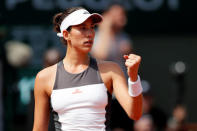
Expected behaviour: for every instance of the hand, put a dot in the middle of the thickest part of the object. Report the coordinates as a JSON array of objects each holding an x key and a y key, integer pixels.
[
  {"x": 107, "y": 22},
  {"x": 132, "y": 62}
]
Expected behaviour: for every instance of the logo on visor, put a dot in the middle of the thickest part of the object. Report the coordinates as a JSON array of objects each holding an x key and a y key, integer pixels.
[{"x": 86, "y": 12}]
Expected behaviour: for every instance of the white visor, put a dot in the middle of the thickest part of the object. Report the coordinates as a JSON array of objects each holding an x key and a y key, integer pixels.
[{"x": 78, "y": 17}]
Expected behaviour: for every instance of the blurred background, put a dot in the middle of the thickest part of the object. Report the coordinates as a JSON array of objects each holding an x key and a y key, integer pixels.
[{"x": 162, "y": 32}]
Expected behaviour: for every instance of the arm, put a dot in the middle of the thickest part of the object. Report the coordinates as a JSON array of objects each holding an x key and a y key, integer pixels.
[
  {"x": 132, "y": 105},
  {"x": 41, "y": 111},
  {"x": 103, "y": 38}
]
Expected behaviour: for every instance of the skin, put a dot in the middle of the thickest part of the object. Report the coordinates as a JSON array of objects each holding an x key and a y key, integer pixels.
[
  {"x": 114, "y": 20},
  {"x": 79, "y": 44}
]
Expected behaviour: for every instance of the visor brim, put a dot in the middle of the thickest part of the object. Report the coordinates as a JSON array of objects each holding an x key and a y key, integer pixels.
[{"x": 96, "y": 18}]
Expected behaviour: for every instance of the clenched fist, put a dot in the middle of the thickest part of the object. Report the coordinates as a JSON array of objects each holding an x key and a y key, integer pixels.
[{"x": 132, "y": 62}]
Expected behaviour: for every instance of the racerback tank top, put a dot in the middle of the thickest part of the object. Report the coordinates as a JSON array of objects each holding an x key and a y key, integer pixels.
[{"x": 80, "y": 102}]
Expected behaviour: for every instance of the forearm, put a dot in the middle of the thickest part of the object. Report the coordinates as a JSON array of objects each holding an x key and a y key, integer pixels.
[
  {"x": 40, "y": 125},
  {"x": 135, "y": 111},
  {"x": 131, "y": 105},
  {"x": 130, "y": 100},
  {"x": 41, "y": 120},
  {"x": 128, "y": 95}
]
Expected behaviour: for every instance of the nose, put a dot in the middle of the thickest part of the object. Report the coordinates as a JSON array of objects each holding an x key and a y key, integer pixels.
[{"x": 90, "y": 33}]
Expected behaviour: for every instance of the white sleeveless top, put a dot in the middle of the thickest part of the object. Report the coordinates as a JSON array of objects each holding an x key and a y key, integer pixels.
[{"x": 80, "y": 102}]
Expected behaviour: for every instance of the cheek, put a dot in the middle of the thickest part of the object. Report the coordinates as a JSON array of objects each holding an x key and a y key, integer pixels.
[
  {"x": 93, "y": 33},
  {"x": 76, "y": 36}
]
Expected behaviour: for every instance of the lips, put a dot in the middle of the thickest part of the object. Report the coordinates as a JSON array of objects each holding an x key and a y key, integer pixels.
[{"x": 89, "y": 42}]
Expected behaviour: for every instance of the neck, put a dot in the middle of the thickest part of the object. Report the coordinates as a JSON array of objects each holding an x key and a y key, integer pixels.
[{"x": 76, "y": 58}]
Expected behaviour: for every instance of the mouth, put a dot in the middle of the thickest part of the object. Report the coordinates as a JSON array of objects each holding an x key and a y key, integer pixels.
[{"x": 89, "y": 42}]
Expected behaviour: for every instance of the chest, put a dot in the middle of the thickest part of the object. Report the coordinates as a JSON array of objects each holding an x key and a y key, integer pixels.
[{"x": 79, "y": 98}]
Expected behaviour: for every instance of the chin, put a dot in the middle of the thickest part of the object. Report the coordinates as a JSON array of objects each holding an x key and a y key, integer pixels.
[{"x": 86, "y": 49}]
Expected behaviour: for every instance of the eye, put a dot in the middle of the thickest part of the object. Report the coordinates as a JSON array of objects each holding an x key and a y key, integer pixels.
[
  {"x": 83, "y": 28},
  {"x": 92, "y": 27}
]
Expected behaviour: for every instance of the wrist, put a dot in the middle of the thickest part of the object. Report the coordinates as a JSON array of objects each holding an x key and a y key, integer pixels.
[
  {"x": 134, "y": 87},
  {"x": 133, "y": 78}
]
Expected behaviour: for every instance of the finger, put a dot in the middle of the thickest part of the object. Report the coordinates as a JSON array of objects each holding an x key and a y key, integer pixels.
[
  {"x": 131, "y": 60},
  {"x": 137, "y": 58},
  {"x": 126, "y": 57},
  {"x": 132, "y": 56},
  {"x": 129, "y": 64}
]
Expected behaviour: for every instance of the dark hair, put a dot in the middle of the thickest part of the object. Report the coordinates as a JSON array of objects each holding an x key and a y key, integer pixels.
[{"x": 59, "y": 17}]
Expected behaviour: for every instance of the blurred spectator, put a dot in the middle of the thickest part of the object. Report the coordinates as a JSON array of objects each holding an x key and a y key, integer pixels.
[
  {"x": 15, "y": 55},
  {"x": 51, "y": 57},
  {"x": 145, "y": 123},
  {"x": 177, "y": 121},
  {"x": 18, "y": 54},
  {"x": 158, "y": 116},
  {"x": 111, "y": 42},
  {"x": 26, "y": 83}
]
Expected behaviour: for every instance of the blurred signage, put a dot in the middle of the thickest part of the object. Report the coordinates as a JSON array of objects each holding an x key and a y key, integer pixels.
[
  {"x": 47, "y": 5},
  {"x": 144, "y": 16}
]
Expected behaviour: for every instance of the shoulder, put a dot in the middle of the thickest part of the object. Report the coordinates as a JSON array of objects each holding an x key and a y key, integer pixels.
[
  {"x": 46, "y": 73},
  {"x": 45, "y": 79},
  {"x": 109, "y": 71}
]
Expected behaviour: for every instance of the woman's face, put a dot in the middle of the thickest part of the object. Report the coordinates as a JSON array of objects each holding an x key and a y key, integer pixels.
[{"x": 81, "y": 36}]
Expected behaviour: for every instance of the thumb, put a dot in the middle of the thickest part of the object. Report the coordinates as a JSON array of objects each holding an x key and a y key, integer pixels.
[{"x": 126, "y": 57}]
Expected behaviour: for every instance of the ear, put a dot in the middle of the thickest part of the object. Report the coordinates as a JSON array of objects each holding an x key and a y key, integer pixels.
[{"x": 66, "y": 35}]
